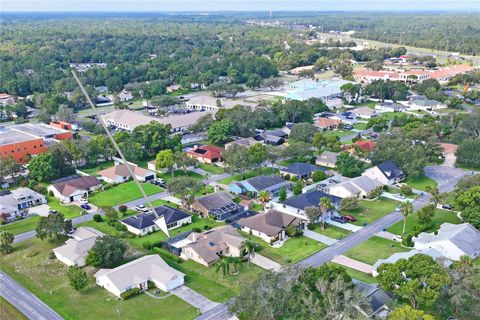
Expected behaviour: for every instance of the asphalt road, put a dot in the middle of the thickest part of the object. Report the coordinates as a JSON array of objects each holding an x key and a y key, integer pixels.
[{"x": 24, "y": 300}]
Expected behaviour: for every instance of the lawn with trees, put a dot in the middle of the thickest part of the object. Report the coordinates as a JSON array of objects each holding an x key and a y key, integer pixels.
[{"x": 122, "y": 193}]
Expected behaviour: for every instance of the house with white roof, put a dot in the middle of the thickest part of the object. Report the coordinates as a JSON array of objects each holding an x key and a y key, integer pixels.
[
  {"x": 387, "y": 173},
  {"x": 14, "y": 203},
  {"x": 137, "y": 274},
  {"x": 75, "y": 249},
  {"x": 119, "y": 173},
  {"x": 359, "y": 187},
  {"x": 452, "y": 240}
]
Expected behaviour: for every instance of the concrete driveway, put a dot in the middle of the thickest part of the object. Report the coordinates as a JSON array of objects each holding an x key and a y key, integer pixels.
[
  {"x": 41, "y": 210},
  {"x": 319, "y": 237},
  {"x": 265, "y": 263},
  {"x": 446, "y": 177},
  {"x": 354, "y": 264},
  {"x": 194, "y": 298}
]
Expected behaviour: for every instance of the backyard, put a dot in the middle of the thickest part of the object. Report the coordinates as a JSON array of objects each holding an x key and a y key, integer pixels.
[
  {"x": 371, "y": 210},
  {"x": 373, "y": 249},
  {"x": 421, "y": 183},
  {"x": 441, "y": 216},
  {"x": 92, "y": 170},
  {"x": 122, "y": 193},
  {"x": 30, "y": 266}
]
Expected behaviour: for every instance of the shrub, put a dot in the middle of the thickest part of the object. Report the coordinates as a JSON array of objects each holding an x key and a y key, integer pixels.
[
  {"x": 405, "y": 189},
  {"x": 147, "y": 245},
  {"x": 31, "y": 253},
  {"x": 196, "y": 229},
  {"x": 158, "y": 244},
  {"x": 207, "y": 227},
  {"x": 51, "y": 255},
  {"x": 122, "y": 208},
  {"x": 310, "y": 226},
  {"x": 32, "y": 183},
  {"x": 318, "y": 176},
  {"x": 50, "y": 193},
  {"x": 407, "y": 241},
  {"x": 120, "y": 227},
  {"x": 97, "y": 218},
  {"x": 129, "y": 293}
]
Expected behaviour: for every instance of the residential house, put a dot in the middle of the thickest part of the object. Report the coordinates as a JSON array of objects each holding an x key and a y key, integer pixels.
[
  {"x": 207, "y": 247},
  {"x": 365, "y": 113},
  {"x": 390, "y": 107},
  {"x": 152, "y": 165},
  {"x": 75, "y": 249},
  {"x": 219, "y": 205},
  {"x": 272, "y": 184},
  {"x": 270, "y": 226},
  {"x": 137, "y": 274},
  {"x": 6, "y": 99},
  {"x": 206, "y": 154},
  {"x": 144, "y": 223},
  {"x": 296, "y": 205},
  {"x": 298, "y": 70},
  {"x": 272, "y": 137},
  {"x": 387, "y": 173},
  {"x": 173, "y": 87},
  {"x": 327, "y": 159},
  {"x": 327, "y": 123},
  {"x": 452, "y": 240},
  {"x": 358, "y": 187},
  {"x": 300, "y": 170},
  {"x": 426, "y": 105},
  {"x": 73, "y": 188},
  {"x": 101, "y": 89},
  {"x": 365, "y": 146},
  {"x": 377, "y": 298},
  {"x": 244, "y": 142},
  {"x": 119, "y": 173},
  {"x": 15, "y": 203}
]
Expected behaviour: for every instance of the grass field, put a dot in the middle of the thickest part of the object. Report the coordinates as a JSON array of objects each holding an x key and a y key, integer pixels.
[
  {"x": 46, "y": 279},
  {"x": 338, "y": 133},
  {"x": 331, "y": 231},
  {"x": 441, "y": 216},
  {"x": 373, "y": 249},
  {"x": 248, "y": 175},
  {"x": 9, "y": 312},
  {"x": 122, "y": 193},
  {"x": 21, "y": 226},
  {"x": 211, "y": 168},
  {"x": 369, "y": 211},
  {"x": 92, "y": 170},
  {"x": 360, "y": 126},
  {"x": 421, "y": 183}
]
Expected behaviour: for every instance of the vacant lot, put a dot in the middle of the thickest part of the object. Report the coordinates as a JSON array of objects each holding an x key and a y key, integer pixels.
[
  {"x": 373, "y": 249},
  {"x": 122, "y": 193},
  {"x": 30, "y": 266},
  {"x": 369, "y": 211},
  {"x": 21, "y": 226},
  {"x": 358, "y": 275},
  {"x": 441, "y": 216},
  {"x": 178, "y": 173}
]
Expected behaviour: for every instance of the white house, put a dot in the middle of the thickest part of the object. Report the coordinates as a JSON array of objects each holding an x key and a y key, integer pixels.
[
  {"x": 452, "y": 241},
  {"x": 137, "y": 273},
  {"x": 74, "y": 251},
  {"x": 426, "y": 105},
  {"x": 119, "y": 173},
  {"x": 74, "y": 188},
  {"x": 387, "y": 173},
  {"x": 15, "y": 203},
  {"x": 365, "y": 112},
  {"x": 359, "y": 187}
]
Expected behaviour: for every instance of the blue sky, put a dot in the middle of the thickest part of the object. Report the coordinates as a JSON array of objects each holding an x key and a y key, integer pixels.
[{"x": 238, "y": 5}]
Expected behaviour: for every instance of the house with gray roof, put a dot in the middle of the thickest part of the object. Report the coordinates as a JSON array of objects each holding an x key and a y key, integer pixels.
[
  {"x": 387, "y": 173},
  {"x": 426, "y": 105},
  {"x": 272, "y": 184},
  {"x": 452, "y": 240},
  {"x": 270, "y": 226},
  {"x": 244, "y": 142},
  {"x": 75, "y": 249},
  {"x": 74, "y": 187},
  {"x": 390, "y": 107},
  {"x": 327, "y": 159},
  {"x": 15, "y": 203},
  {"x": 219, "y": 205},
  {"x": 358, "y": 187},
  {"x": 377, "y": 298},
  {"x": 300, "y": 170}
]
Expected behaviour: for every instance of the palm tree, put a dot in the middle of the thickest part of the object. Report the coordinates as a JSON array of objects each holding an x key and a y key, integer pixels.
[
  {"x": 249, "y": 247},
  {"x": 223, "y": 264},
  {"x": 324, "y": 205},
  {"x": 236, "y": 263},
  {"x": 406, "y": 209},
  {"x": 436, "y": 195},
  {"x": 464, "y": 264},
  {"x": 264, "y": 196}
]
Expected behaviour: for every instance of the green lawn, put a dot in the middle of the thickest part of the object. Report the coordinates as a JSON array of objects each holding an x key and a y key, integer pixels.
[
  {"x": 331, "y": 231},
  {"x": 421, "y": 183},
  {"x": 92, "y": 170},
  {"x": 29, "y": 265},
  {"x": 211, "y": 168},
  {"x": 360, "y": 126},
  {"x": 338, "y": 133},
  {"x": 355, "y": 274},
  {"x": 69, "y": 211},
  {"x": 178, "y": 173},
  {"x": 122, "y": 193},
  {"x": 369, "y": 211},
  {"x": 265, "y": 171},
  {"x": 9, "y": 312},
  {"x": 390, "y": 115},
  {"x": 373, "y": 249},
  {"x": 21, "y": 226},
  {"x": 441, "y": 216}
]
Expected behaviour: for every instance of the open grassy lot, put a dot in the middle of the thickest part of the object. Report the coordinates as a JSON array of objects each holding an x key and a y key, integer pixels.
[
  {"x": 178, "y": 173},
  {"x": 331, "y": 231},
  {"x": 369, "y": 211},
  {"x": 338, "y": 133},
  {"x": 373, "y": 249},
  {"x": 21, "y": 226},
  {"x": 46, "y": 278},
  {"x": 421, "y": 183},
  {"x": 358, "y": 275},
  {"x": 9, "y": 312},
  {"x": 211, "y": 168},
  {"x": 92, "y": 170},
  {"x": 122, "y": 193},
  {"x": 441, "y": 216},
  {"x": 248, "y": 175}
]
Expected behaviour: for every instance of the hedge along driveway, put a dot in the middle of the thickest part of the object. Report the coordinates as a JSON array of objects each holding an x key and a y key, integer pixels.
[{"x": 122, "y": 193}]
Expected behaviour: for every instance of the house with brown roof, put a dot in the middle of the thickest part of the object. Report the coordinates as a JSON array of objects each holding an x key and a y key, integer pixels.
[
  {"x": 206, "y": 154},
  {"x": 270, "y": 226},
  {"x": 73, "y": 188},
  {"x": 119, "y": 173},
  {"x": 207, "y": 247},
  {"x": 327, "y": 123}
]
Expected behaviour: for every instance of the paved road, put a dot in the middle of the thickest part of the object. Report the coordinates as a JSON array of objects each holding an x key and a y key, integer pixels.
[
  {"x": 358, "y": 237},
  {"x": 446, "y": 177},
  {"x": 24, "y": 300},
  {"x": 220, "y": 312},
  {"x": 353, "y": 135}
]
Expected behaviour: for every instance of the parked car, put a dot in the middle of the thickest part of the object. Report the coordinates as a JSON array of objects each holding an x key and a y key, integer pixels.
[
  {"x": 339, "y": 219},
  {"x": 141, "y": 208},
  {"x": 447, "y": 206},
  {"x": 348, "y": 126},
  {"x": 349, "y": 218},
  {"x": 397, "y": 238},
  {"x": 85, "y": 206},
  {"x": 83, "y": 200}
]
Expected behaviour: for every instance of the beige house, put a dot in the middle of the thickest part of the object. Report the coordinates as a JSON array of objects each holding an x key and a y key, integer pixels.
[
  {"x": 137, "y": 273},
  {"x": 119, "y": 173},
  {"x": 207, "y": 247},
  {"x": 365, "y": 113},
  {"x": 74, "y": 188},
  {"x": 327, "y": 159},
  {"x": 74, "y": 251}
]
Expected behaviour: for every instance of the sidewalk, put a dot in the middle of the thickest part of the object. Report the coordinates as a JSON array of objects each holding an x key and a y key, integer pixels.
[
  {"x": 346, "y": 226},
  {"x": 354, "y": 264},
  {"x": 319, "y": 237}
]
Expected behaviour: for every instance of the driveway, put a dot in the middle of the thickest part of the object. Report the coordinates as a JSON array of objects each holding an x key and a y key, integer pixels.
[
  {"x": 319, "y": 237},
  {"x": 446, "y": 177},
  {"x": 354, "y": 264},
  {"x": 25, "y": 301},
  {"x": 265, "y": 263},
  {"x": 41, "y": 210},
  {"x": 220, "y": 312},
  {"x": 194, "y": 298}
]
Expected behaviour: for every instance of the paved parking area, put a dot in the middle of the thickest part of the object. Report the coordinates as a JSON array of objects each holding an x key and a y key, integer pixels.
[
  {"x": 446, "y": 177},
  {"x": 41, "y": 210}
]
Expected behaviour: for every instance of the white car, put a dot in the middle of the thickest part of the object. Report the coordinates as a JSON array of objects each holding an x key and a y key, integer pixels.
[
  {"x": 397, "y": 238},
  {"x": 141, "y": 208},
  {"x": 83, "y": 201}
]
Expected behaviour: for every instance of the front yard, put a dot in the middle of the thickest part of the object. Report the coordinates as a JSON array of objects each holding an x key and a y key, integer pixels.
[
  {"x": 373, "y": 249},
  {"x": 46, "y": 278},
  {"x": 21, "y": 226},
  {"x": 211, "y": 168},
  {"x": 178, "y": 173},
  {"x": 358, "y": 275},
  {"x": 369, "y": 211},
  {"x": 421, "y": 183},
  {"x": 122, "y": 193},
  {"x": 331, "y": 231},
  {"x": 441, "y": 216}
]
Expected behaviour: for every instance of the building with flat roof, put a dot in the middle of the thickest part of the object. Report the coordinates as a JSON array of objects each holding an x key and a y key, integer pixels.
[
  {"x": 321, "y": 89},
  {"x": 23, "y": 140}
]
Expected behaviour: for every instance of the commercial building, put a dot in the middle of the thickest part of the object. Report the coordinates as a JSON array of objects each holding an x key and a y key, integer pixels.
[{"x": 321, "y": 89}]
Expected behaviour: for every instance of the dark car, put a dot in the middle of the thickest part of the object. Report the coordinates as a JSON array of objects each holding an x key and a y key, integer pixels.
[
  {"x": 447, "y": 206},
  {"x": 339, "y": 219},
  {"x": 85, "y": 207},
  {"x": 349, "y": 218},
  {"x": 348, "y": 126}
]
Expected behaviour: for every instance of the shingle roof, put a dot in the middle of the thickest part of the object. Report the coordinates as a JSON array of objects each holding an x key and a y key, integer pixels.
[
  {"x": 328, "y": 156},
  {"x": 390, "y": 169},
  {"x": 377, "y": 297},
  {"x": 302, "y": 169},
  {"x": 122, "y": 170},
  {"x": 208, "y": 151},
  {"x": 326, "y": 122},
  {"x": 270, "y": 223},
  {"x": 78, "y": 246},
  {"x": 359, "y": 184},
  {"x": 140, "y": 221},
  {"x": 215, "y": 200},
  {"x": 310, "y": 199},
  {"x": 170, "y": 214},
  {"x": 68, "y": 187},
  {"x": 264, "y": 182}
]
